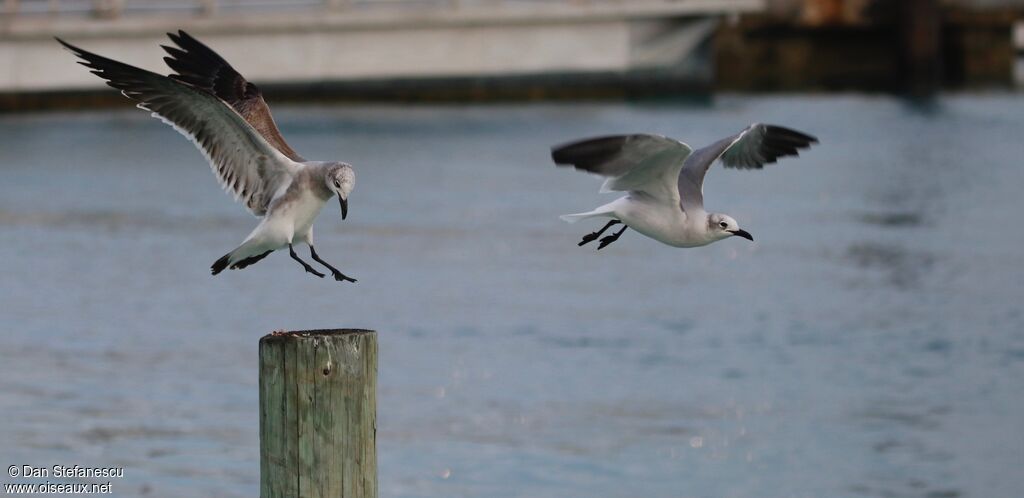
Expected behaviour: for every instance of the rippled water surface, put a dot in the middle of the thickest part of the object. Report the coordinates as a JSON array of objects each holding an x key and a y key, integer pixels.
[{"x": 870, "y": 343}]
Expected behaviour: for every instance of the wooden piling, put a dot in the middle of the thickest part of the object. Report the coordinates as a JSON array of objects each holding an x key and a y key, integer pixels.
[
  {"x": 318, "y": 409},
  {"x": 920, "y": 33}
]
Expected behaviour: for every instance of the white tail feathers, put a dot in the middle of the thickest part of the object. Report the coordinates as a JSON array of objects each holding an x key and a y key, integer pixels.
[
  {"x": 606, "y": 211},
  {"x": 573, "y": 218}
]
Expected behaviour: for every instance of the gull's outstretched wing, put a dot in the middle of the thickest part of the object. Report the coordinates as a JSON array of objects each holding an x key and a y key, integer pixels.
[
  {"x": 638, "y": 163},
  {"x": 752, "y": 148},
  {"x": 246, "y": 165},
  {"x": 201, "y": 67}
]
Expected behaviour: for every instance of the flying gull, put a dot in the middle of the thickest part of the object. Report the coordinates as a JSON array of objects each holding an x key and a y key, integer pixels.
[
  {"x": 226, "y": 117},
  {"x": 664, "y": 181}
]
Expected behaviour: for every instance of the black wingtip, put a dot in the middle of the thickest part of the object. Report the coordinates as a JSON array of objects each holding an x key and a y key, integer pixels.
[
  {"x": 798, "y": 138},
  {"x": 89, "y": 58},
  {"x": 559, "y": 155},
  {"x": 72, "y": 48},
  {"x": 189, "y": 42},
  {"x": 172, "y": 51},
  {"x": 176, "y": 37},
  {"x": 588, "y": 154},
  {"x": 220, "y": 264}
]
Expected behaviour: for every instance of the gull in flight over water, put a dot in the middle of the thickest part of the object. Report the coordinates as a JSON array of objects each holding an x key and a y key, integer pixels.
[
  {"x": 209, "y": 102},
  {"x": 664, "y": 181}
]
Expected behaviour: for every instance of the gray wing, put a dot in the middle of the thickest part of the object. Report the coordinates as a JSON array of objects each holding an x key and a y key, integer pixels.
[
  {"x": 637, "y": 163},
  {"x": 245, "y": 164},
  {"x": 198, "y": 65},
  {"x": 752, "y": 148}
]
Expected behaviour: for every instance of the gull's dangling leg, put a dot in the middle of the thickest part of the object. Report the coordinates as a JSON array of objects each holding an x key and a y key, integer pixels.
[
  {"x": 611, "y": 238},
  {"x": 590, "y": 237},
  {"x": 339, "y": 276},
  {"x": 303, "y": 263}
]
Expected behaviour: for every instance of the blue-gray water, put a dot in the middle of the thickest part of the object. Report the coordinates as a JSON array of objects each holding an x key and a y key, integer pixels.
[{"x": 870, "y": 343}]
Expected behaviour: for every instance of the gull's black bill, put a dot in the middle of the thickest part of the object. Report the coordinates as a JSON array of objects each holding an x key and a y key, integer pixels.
[
  {"x": 743, "y": 233},
  {"x": 344, "y": 206}
]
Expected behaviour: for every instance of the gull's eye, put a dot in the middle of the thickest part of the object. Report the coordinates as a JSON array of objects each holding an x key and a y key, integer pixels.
[
  {"x": 336, "y": 184},
  {"x": 723, "y": 224}
]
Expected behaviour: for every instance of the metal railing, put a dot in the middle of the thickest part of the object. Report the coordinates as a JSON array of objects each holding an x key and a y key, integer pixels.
[{"x": 114, "y": 9}]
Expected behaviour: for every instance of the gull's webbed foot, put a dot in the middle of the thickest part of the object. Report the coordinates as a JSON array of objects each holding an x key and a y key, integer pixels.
[
  {"x": 341, "y": 277},
  {"x": 611, "y": 238},
  {"x": 338, "y": 275},
  {"x": 592, "y": 236}
]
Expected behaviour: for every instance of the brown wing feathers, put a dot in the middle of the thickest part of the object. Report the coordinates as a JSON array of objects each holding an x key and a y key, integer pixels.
[
  {"x": 241, "y": 160},
  {"x": 198, "y": 65}
]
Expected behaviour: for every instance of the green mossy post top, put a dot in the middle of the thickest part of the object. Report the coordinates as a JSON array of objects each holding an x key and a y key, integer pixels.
[{"x": 275, "y": 337}]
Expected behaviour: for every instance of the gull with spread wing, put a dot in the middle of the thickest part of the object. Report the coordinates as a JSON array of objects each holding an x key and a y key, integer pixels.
[
  {"x": 226, "y": 117},
  {"x": 664, "y": 181}
]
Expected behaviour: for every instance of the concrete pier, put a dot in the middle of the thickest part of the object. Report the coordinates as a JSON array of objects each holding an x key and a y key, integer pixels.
[{"x": 330, "y": 44}]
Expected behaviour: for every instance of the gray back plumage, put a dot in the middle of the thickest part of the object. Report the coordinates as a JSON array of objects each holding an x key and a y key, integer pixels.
[{"x": 639, "y": 162}]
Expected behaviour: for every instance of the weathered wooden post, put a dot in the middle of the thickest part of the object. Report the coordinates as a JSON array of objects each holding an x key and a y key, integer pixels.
[
  {"x": 921, "y": 33},
  {"x": 318, "y": 414}
]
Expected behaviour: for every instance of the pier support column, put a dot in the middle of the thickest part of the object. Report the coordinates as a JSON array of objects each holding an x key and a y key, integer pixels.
[
  {"x": 318, "y": 414},
  {"x": 921, "y": 31}
]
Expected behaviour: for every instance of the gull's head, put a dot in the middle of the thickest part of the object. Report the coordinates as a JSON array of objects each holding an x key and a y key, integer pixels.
[
  {"x": 341, "y": 179},
  {"x": 722, "y": 226}
]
